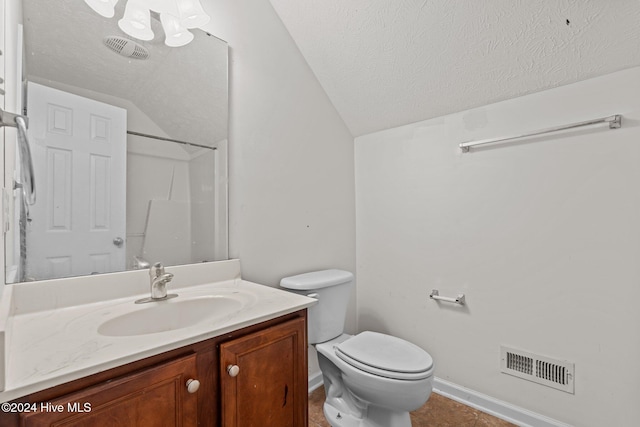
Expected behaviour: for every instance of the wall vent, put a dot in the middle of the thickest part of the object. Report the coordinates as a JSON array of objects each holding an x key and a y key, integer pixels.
[{"x": 558, "y": 374}]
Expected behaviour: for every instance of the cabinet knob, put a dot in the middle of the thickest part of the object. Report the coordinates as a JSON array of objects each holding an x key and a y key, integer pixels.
[
  {"x": 233, "y": 370},
  {"x": 193, "y": 385}
]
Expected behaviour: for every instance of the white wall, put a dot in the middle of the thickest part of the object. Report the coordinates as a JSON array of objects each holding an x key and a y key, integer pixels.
[
  {"x": 541, "y": 235},
  {"x": 202, "y": 179},
  {"x": 157, "y": 170},
  {"x": 291, "y": 162},
  {"x": 291, "y": 167}
]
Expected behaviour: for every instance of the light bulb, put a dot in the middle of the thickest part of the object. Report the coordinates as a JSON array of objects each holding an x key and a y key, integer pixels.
[
  {"x": 176, "y": 34},
  {"x": 191, "y": 13},
  {"x": 105, "y": 8},
  {"x": 136, "y": 21}
]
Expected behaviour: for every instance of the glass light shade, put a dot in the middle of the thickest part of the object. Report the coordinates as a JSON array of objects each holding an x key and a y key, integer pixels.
[
  {"x": 165, "y": 6},
  {"x": 176, "y": 34},
  {"x": 191, "y": 13},
  {"x": 105, "y": 8},
  {"x": 136, "y": 21}
]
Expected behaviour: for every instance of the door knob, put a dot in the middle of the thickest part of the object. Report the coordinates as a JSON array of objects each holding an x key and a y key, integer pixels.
[
  {"x": 193, "y": 385},
  {"x": 118, "y": 241},
  {"x": 233, "y": 370}
]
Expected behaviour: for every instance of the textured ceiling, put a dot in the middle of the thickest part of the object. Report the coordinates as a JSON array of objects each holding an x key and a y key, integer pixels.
[
  {"x": 387, "y": 63},
  {"x": 188, "y": 102}
]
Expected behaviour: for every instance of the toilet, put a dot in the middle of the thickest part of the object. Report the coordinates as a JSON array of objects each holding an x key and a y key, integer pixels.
[{"x": 370, "y": 379}]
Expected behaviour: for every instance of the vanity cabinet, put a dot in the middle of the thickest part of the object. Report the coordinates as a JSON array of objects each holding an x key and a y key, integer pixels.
[
  {"x": 263, "y": 381},
  {"x": 153, "y": 397},
  {"x": 255, "y": 376}
]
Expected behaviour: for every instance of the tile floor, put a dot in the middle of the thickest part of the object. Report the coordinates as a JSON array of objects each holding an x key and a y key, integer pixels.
[{"x": 437, "y": 412}]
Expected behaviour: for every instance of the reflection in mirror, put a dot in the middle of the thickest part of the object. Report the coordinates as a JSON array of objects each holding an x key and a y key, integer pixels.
[{"x": 129, "y": 143}]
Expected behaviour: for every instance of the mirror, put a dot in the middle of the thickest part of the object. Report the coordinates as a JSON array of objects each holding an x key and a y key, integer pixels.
[{"x": 129, "y": 145}]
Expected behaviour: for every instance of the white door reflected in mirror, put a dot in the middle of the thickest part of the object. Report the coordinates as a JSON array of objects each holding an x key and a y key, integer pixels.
[{"x": 79, "y": 151}]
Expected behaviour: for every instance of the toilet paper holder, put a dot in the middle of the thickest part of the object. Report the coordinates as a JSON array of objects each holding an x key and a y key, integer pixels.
[{"x": 459, "y": 299}]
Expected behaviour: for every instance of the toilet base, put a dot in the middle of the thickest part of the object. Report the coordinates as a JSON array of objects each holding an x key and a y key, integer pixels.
[
  {"x": 340, "y": 419},
  {"x": 376, "y": 417}
]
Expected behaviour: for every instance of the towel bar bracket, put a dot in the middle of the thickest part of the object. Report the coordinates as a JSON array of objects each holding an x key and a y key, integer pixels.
[{"x": 9, "y": 119}]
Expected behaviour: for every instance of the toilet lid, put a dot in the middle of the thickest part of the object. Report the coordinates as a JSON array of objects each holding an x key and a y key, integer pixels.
[{"x": 385, "y": 355}]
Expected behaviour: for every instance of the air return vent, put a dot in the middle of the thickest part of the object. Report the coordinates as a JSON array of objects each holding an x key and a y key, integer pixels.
[
  {"x": 539, "y": 369},
  {"x": 126, "y": 47}
]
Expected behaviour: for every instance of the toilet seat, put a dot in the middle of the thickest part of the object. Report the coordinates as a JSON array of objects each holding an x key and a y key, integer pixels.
[{"x": 386, "y": 356}]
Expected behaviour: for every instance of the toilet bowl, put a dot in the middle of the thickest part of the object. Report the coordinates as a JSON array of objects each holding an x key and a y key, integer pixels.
[{"x": 371, "y": 379}]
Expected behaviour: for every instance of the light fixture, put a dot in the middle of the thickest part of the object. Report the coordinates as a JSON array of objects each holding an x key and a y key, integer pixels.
[
  {"x": 191, "y": 13},
  {"x": 176, "y": 34},
  {"x": 137, "y": 20},
  {"x": 105, "y": 8},
  {"x": 176, "y": 16}
]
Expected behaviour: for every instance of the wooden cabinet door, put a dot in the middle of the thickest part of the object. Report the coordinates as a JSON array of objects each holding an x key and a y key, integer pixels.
[
  {"x": 154, "y": 397},
  {"x": 270, "y": 388}
]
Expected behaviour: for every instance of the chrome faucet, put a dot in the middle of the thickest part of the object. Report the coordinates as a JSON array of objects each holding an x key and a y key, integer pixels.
[{"x": 158, "y": 279}]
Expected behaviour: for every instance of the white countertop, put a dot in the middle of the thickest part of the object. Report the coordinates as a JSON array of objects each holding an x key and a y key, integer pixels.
[{"x": 45, "y": 347}]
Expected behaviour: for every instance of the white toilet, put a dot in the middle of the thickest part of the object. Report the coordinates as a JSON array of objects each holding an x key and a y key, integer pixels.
[{"x": 370, "y": 379}]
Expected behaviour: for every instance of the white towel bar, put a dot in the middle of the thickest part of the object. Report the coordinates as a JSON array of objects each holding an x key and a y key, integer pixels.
[
  {"x": 614, "y": 122},
  {"x": 457, "y": 300}
]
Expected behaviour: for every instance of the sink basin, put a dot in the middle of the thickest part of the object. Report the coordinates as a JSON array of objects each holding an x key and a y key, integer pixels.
[{"x": 172, "y": 314}]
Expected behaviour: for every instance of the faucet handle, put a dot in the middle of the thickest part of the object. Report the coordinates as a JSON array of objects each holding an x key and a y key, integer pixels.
[
  {"x": 140, "y": 263},
  {"x": 156, "y": 270}
]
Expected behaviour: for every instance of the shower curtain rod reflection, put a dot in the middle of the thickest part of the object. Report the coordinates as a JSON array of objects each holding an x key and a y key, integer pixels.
[{"x": 162, "y": 138}]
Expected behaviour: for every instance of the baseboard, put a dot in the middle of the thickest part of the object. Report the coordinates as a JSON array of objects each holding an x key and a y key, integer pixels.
[
  {"x": 506, "y": 411},
  {"x": 498, "y": 408},
  {"x": 315, "y": 381}
]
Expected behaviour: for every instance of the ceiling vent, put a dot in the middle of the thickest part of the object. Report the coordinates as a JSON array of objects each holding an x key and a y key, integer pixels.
[
  {"x": 539, "y": 369},
  {"x": 126, "y": 47}
]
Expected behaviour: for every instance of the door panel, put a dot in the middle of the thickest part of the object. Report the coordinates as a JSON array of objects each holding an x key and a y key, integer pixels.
[{"x": 79, "y": 154}]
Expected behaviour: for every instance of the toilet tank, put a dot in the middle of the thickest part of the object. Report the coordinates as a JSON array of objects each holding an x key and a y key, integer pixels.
[{"x": 332, "y": 289}]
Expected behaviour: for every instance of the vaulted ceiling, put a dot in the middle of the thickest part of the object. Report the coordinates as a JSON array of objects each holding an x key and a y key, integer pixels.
[{"x": 386, "y": 63}]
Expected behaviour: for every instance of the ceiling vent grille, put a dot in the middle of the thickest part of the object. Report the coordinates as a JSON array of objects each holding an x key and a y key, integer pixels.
[
  {"x": 554, "y": 373},
  {"x": 126, "y": 47}
]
